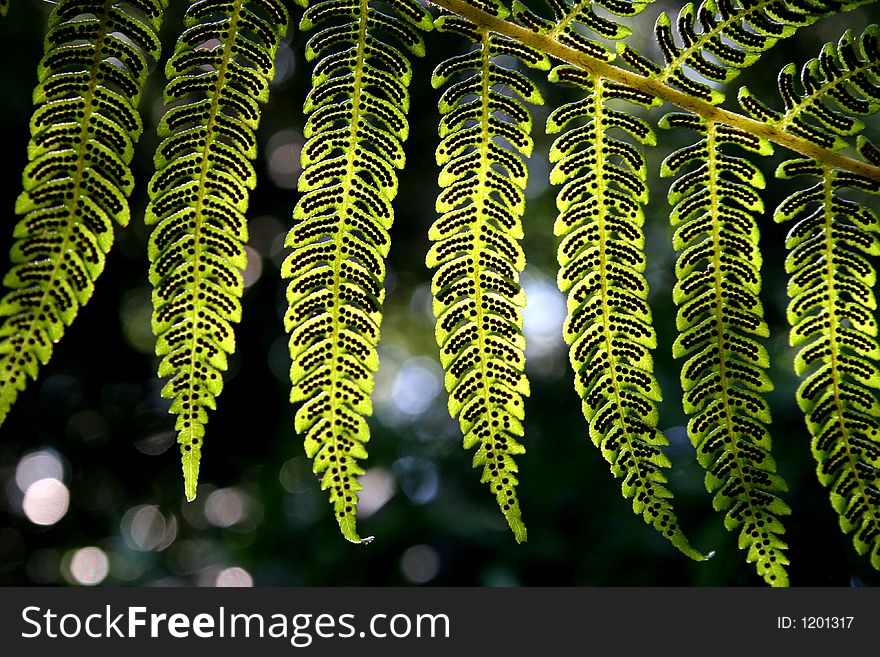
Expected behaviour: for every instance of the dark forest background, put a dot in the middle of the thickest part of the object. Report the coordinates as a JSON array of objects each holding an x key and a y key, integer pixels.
[{"x": 95, "y": 419}]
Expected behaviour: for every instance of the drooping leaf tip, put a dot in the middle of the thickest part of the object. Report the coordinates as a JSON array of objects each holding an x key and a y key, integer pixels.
[
  {"x": 190, "y": 490},
  {"x": 348, "y": 527},
  {"x": 518, "y": 528}
]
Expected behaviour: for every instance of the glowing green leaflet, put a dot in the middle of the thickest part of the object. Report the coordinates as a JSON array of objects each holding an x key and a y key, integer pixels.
[
  {"x": 355, "y": 129},
  {"x": 77, "y": 181},
  {"x": 476, "y": 254},
  {"x": 833, "y": 309},
  {"x": 198, "y": 197}
]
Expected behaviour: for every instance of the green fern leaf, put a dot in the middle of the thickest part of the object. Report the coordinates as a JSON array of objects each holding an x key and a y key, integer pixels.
[
  {"x": 77, "y": 182},
  {"x": 720, "y": 319},
  {"x": 571, "y": 19},
  {"x": 833, "y": 318},
  {"x": 601, "y": 258},
  {"x": 602, "y": 262},
  {"x": 476, "y": 253},
  {"x": 722, "y": 37},
  {"x": 355, "y": 130},
  {"x": 838, "y": 86},
  {"x": 219, "y": 72},
  {"x": 833, "y": 310}
]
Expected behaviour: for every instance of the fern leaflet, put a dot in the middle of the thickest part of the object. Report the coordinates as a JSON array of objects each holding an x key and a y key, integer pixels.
[
  {"x": 568, "y": 18},
  {"x": 355, "y": 129},
  {"x": 220, "y": 70},
  {"x": 602, "y": 263},
  {"x": 833, "y": 310},
  {"x": 733, "y": 33},
  {"x": 601, "y": 259},
  {"x": 719, "y": 319},
  {"x": 477, "y": 297},
  {"x": 77, "y": 182}
]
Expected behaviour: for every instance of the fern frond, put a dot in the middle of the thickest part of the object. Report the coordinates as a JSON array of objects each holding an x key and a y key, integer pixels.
[
  {"x": 719, "y": 320},
  {"x": 839, "y": 85},
  {"x": 602, "y": 262},
  {"x": 833, "y": 314},
  {"x": 78, "y": 179},
  {"x": 217, "y": 76},
  {"x": 568, "y": 18},
  {"x": 355, "y": 130},
  {"x": 476, "y": 253},
  {"x": 722, "y": 37},
  {"x": 601, "y": 259},
  {"x": 833, "y": 310}
]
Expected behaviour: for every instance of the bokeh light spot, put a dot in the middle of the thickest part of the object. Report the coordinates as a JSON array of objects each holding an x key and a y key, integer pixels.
[
  {"x": 89, "y": 426},
  {"x": 144, "y": 528},
  {"x": 418, "y": 478},
  {"x": 542, "y": 316},
  {"x": 254, "y": 268},
  {"x": 46, "y": 501},
  {"x": 379, "y": 487},
  {"x": 226, "y": 507},
  {"x": 420, "y": 564},
  {"x": 282, "y": 158},
  {"x": 44, "y": 464},
  {"x": 416, "y": 386},
  {"x": 296, "y": 475},
  {"x": 234, "y": 577},
  {"x": 285, "y": 65},
  {"x": 135, "y": 315},
  {"x": 89, "y": 566}
]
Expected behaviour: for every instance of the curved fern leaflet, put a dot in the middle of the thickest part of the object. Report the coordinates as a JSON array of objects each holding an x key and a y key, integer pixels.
[
  {"x": 833, "y": 308},
  {"x": 568, "y": 18},
  {"x": 722, "y": 37},
  {"x": 220, "y": 70},
  {"x": 720, "y": 319},
  {"x": 355, "y": 129},
  {"x": 477, "y": 297},
  {"x": 77, "y": 182},
  {"x": 601, "y": 257}
]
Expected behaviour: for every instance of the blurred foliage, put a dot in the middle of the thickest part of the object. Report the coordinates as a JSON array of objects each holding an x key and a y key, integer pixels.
[{"x": 259, "y": 506}]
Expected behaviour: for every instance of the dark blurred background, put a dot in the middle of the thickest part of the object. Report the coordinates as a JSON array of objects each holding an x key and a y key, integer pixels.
[{"x": 92, "y": 446}]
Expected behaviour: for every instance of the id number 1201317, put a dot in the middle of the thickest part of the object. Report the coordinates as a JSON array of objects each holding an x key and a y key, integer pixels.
[{"x": 814, "y": 622}]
